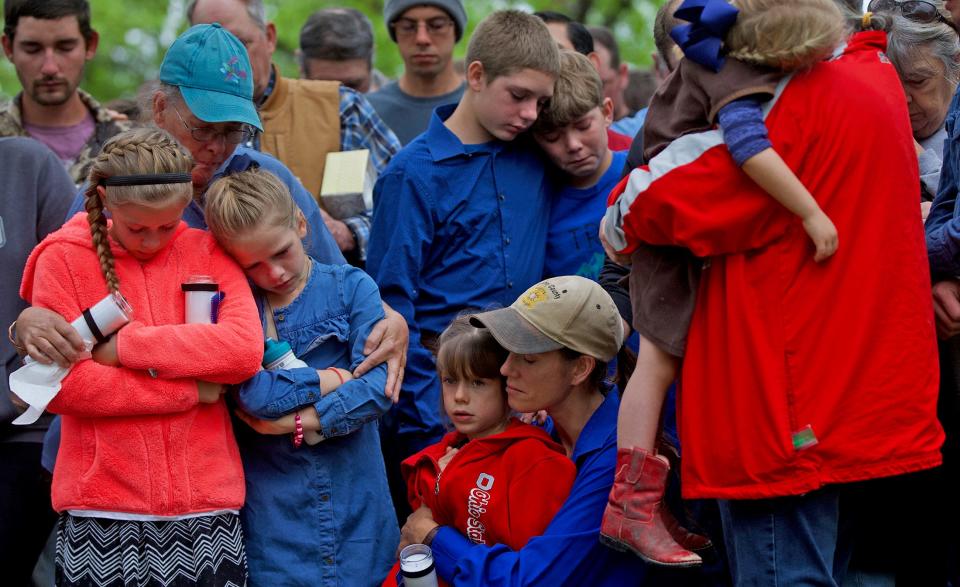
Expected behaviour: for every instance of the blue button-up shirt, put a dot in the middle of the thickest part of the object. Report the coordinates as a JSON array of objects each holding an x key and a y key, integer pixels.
[
  {"x": 320, "y": 515},
  {"x": 569, "y": 552},
  {"x": 319, "y": 242},
  {"x": 455, "y": 227},
  {"x": 943, "y": 223}
]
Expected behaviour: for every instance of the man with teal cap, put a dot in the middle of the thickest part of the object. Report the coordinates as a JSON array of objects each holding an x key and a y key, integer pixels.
[{"x": 205, "y": 100}]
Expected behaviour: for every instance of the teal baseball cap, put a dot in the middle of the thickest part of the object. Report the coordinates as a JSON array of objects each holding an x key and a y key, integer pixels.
[{"x": 212, "y": 70}]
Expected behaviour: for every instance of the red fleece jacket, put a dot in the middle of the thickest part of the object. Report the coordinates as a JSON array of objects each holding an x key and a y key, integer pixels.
[
  {"x": 501, "y": 489},
  {"x": 131, "y": 442},
  {"x": 801, "y": 374}
]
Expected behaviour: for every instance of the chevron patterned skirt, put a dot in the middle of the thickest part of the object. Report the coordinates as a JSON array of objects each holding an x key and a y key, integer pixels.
[{"x": 206, "y": 550}]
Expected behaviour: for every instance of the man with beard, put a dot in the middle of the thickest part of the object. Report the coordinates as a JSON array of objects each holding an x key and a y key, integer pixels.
[
  {"x": 425, "y": 32},
  {"x": 49, "y": 43}
]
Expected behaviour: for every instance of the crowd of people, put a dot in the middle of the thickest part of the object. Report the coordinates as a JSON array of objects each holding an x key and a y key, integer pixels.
[{"x": 711, "y": 341}]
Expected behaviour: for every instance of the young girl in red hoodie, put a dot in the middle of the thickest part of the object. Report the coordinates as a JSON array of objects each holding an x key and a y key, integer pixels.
[
  {"x": 493, "y": 478},
  {"x": 148, "y": 479}
]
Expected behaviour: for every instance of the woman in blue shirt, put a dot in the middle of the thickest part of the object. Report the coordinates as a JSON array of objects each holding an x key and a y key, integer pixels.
[
  {"x": 317, "y": 512},
  {"x": 560, "y": 334}
]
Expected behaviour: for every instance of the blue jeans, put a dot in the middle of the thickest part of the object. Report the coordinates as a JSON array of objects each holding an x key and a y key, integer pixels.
[{"x": 787, "y": 541}]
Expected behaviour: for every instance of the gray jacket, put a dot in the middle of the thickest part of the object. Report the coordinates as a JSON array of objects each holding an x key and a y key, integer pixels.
[{"x": 35, "y": 195}]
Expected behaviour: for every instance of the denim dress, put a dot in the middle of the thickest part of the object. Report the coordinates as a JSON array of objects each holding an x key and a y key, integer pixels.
[{"x": 320, "y": 515}]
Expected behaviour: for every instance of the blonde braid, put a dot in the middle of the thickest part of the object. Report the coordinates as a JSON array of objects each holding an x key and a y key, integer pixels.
[
  {"x": 137, "y": 151},
  {"x": 789, "y": 36},
  {"x": 98, "y": 228}
]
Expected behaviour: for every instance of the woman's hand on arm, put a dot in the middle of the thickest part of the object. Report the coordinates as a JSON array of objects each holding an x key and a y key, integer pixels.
[
  {"x": 388, "y": 342},
  {"x": 48, "y": 337}
]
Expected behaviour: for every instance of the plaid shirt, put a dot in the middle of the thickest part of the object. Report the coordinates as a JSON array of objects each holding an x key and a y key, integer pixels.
[
  {"x": 11, "y": 125},
  {"x": 360, "y": 128}
]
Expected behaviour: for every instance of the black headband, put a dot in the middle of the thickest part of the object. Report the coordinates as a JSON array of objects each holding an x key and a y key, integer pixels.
[{"x": 147, "y": 179}]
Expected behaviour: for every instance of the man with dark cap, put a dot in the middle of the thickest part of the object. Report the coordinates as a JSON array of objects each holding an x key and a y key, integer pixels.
[{"x": 425, "y": 32}]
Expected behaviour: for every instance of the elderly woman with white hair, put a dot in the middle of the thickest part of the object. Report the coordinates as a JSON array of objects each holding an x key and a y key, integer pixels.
[{"x": 927, "y": 58}]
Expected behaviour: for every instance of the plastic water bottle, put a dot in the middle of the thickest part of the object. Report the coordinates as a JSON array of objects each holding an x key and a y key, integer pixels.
[
  {"x": 416, "y": 566},
  {"x": 201, "y": 300},
  {"x": 277, "y": 354}
]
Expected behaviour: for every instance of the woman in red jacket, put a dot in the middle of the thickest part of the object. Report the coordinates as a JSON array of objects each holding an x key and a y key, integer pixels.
[
  {"x": 148, "y": 480},
  {"x": 493, "y": 478}
]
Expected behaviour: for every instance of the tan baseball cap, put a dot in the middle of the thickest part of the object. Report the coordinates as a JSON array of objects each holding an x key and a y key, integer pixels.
[{"x": 569, "y": 311}]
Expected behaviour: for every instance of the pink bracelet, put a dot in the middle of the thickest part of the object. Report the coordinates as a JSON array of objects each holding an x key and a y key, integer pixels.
[
  {"x": 298, "y": 431},
  {"x": 335, "y": 370}
]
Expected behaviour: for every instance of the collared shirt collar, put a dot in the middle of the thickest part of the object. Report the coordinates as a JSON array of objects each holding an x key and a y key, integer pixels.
[
  {"x": 601, "y": 424},
  {"x": 443, "y": 144},
  {"x": 271, "y": 84}
]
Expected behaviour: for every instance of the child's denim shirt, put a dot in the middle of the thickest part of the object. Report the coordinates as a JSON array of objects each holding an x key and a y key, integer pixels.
[
  {"x": 321, "y": 514},
  {"x": 326, "y": 326}
]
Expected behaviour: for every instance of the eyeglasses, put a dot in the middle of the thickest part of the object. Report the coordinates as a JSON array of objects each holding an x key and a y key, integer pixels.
[
  {"x": 206, "y": 134},
  {"x": 915, "y": 10},
  {"x": 407, "y": 27}
]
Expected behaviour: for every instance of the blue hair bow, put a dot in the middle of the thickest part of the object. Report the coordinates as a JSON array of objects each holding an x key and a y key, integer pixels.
[{"x": 702, "y": 40}]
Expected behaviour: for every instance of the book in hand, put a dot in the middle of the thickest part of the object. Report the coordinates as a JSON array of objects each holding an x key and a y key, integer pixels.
[{"x": 348, "y": 179}]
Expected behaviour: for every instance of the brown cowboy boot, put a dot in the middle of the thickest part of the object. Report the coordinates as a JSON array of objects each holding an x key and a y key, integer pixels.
[{"x": 634, "y": 518}]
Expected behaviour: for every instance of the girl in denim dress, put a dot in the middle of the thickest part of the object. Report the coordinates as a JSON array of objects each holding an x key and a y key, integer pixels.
[{"x": 317, "y": 512}]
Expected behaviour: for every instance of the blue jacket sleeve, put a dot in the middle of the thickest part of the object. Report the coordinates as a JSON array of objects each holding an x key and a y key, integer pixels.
[
  {"x": 268, "y": 395},
  {"x": 271, "y": 394},
  {"x": 402, "y": 230},
  {"x": 942, "y": 227},
  {"x": 569, "y": 547},
  {"x": 360, "y": 400}
]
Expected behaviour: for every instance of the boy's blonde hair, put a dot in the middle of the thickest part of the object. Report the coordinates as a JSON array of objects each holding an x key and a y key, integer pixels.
[
  {"x": 241, "y": 201},
  {"x": 577, "y": 91},
  {"x": 134, "y": 152},
  {"x": 787, "y": 35},
  {"x": 509, "y": 40}
]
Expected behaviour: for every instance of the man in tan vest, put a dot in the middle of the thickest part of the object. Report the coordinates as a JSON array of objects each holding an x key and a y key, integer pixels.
[{"x": 303, "y": 120}]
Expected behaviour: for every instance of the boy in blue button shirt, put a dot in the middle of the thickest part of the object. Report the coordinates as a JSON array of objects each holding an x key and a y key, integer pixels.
[{"x": 461, "y": 214}]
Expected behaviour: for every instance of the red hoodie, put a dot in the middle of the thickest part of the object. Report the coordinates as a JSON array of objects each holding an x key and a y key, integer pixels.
[
  {"x": 500, "y": 489},
  {"x": 131, "y": 442}
]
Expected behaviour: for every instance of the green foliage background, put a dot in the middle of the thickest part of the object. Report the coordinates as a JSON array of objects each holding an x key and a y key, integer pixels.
[{"x": 134, "y": 35}]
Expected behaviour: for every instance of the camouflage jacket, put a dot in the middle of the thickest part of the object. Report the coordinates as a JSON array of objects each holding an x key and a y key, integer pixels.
[{"x": 11, "y": 125}]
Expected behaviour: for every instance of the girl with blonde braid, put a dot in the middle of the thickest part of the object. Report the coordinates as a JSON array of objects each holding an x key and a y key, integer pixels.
[
  {"x": 148, "y": 468},
  {"x": 722, "y": 80}
]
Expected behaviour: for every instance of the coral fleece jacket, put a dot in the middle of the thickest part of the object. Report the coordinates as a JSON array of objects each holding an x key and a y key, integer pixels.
[
  {"x": 500, "y": 489},
  {"x": 800, "y": 374},
  {"x": 132, "y": 442}
]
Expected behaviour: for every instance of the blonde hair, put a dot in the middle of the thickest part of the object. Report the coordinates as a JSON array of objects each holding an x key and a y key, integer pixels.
[
  {"x": 509, "y": 40},
  {"x": 578, "y": 90},
  {"x": 241, "y": 201},
  {"x": 134, "y": 152},
  {"x": 784, "y": 35}
]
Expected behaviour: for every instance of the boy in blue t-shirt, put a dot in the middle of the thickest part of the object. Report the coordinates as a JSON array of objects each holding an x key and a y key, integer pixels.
[
  {"x": 461, "y": 213},
  {"x": 572, "y": 131}
]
